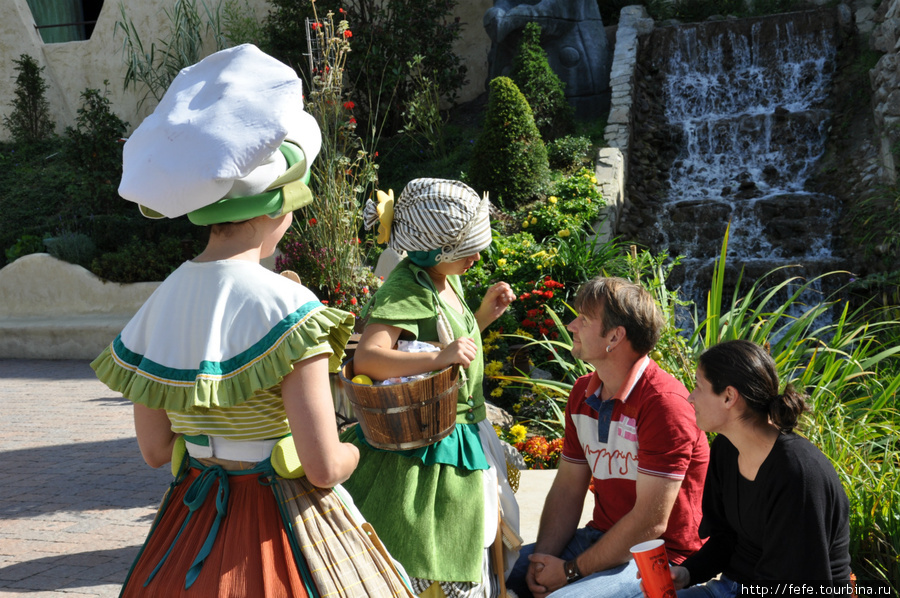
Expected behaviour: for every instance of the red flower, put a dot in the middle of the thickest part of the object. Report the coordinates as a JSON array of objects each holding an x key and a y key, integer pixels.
[
  {"x": 348, "y": 34},
  {"x": 352, "y": 300},
  {"x": 543, "y": 330},
  {"x": 312, "y": 221},
  {"x": 533, "y": 313},
  {"x": 324, "y": 301},
  {"x": 349, "y": 105},
  {"x": 548, "y": 322},
  {"x": 352, "y": 120},
  {"x": 315, "y": 26},
  {"x": 341, "y": 10}
]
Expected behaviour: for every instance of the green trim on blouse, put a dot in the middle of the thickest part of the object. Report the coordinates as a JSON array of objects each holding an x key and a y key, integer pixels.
[{"x": 298, "y": 336}]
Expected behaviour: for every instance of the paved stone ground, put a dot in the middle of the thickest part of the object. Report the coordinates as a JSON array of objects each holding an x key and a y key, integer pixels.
[{"x": 76, "y": 499}]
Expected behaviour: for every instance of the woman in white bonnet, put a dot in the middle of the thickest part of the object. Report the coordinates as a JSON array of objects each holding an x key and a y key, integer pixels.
[
  {"x": 436, "y": 508},
  {"x": 227, "y": 363}
]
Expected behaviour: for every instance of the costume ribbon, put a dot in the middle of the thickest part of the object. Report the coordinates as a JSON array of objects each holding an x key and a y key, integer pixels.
[
  {"x": 385, "y": 211},
  {"x": 194, "y": 498}
]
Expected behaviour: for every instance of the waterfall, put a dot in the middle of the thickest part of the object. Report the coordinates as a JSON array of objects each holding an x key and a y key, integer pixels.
[{"x": 745, "y": 106}]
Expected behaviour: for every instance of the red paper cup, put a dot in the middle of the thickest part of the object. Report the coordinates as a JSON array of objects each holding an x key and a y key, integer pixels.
[{"x": 653, "y": 563}]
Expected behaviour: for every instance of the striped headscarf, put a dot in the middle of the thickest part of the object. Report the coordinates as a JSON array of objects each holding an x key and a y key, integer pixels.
[{"x": 433, "y": 220}]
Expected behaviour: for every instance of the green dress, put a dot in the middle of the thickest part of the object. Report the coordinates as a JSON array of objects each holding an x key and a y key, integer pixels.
[{"x": 427, "y": 504}]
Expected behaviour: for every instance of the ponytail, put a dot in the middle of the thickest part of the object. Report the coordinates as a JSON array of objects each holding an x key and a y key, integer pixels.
[{"x": 785, "y": 409}]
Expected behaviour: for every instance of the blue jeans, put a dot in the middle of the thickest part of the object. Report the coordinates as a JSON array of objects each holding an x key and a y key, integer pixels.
[
  {"x": 714, "y": 588},
  {"x": 618, "y": 582}
]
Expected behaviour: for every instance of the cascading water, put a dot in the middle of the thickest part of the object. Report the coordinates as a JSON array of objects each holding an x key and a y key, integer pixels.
[{"x": 744, "y": 107}]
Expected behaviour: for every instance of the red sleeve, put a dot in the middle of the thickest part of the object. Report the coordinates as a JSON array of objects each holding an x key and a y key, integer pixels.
[{"x": 573, "y": 450}]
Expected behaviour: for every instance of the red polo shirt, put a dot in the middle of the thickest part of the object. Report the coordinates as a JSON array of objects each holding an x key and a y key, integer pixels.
[{"x": 652, "y": 431}]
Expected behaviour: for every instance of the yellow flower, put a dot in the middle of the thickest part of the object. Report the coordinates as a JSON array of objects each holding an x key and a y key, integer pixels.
[
  {"x": 525, "y": 333},
  {"x": 525, "y": 224},
  {"x": 564, "y": 233},
  {"x": 533, "y": 220},
  {"x": 501, "y": 262},
  {"x": 518, "y": 432},
  {"x": 594, "y": 180},
  {"x": 497, "y": 392},
  {"x": 493, "y": 368},
  {"x": 492, "y": 336},
  {"x": 517, "y": 407},
  {"x": 552, "y": 199},
  {"x": 526, "y": 242}
]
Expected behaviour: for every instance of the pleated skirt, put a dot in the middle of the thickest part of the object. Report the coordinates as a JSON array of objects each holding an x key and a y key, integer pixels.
[{"x": 278, "y": 538}]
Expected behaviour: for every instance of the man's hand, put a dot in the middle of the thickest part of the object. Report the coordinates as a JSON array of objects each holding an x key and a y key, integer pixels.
[{"x": 546, "y": 574}]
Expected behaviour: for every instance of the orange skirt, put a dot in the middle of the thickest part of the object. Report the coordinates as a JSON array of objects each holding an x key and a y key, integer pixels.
[{"x": 251, "y": 554}]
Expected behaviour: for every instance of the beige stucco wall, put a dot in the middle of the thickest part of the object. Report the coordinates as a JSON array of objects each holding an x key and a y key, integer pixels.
[
  {"x": 50, "y": 309},
  {"x": 72, "y": 67}
]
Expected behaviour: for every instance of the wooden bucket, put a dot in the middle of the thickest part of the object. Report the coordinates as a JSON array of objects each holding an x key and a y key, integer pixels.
[{"x": 407, "y": 415}]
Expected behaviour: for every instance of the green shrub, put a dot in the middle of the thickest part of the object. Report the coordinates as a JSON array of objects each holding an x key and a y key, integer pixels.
[
  {"x": 30, "y": 119},
  {"x": 72, "y": 247},
  {"x": 141, "y": 260},
  {"x": 25, "y": 245},
  {"x": 509, "y": 158},
  {"x": 94, "y": 151},
  {"x": 542, "y": 88},
  {"x": 574, "y": 206},
  {"x": 569, "y": 152}
]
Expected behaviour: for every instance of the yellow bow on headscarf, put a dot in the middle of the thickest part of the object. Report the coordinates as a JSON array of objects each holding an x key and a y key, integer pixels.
[{"x": 385, "y": 211}]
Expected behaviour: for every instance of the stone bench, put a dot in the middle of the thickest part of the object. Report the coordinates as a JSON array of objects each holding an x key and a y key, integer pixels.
[{"x": 51, "y": 309}]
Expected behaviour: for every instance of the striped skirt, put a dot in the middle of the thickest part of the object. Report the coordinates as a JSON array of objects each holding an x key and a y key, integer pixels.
[{"x": 235, "y": 529}]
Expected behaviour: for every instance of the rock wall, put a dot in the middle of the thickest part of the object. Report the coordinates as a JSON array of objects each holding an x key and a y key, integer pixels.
[
  {"x": 612, "y": 161},
  {"x": 885, "y": 78}
]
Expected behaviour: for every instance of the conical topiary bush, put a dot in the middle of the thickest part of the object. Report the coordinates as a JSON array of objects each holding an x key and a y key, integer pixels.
[
  {"x": 509, "y": 158},
  {"x": 543, "y": 89}
]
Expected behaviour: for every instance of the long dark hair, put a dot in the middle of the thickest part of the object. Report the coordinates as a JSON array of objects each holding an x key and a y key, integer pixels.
[{"x": 751, "y": 370}]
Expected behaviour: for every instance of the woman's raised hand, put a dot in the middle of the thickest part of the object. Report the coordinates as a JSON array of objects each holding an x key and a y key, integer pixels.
[{"x": 496, "y": 300}]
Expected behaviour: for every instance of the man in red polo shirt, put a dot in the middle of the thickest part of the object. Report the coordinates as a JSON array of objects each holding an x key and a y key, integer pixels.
[{"x": 630, "y": 429}]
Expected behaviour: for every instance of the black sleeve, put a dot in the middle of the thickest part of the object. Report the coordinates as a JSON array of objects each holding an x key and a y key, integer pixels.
[
  {"x": 795, "y": 541},
  {"x": 715, "y": 554}
]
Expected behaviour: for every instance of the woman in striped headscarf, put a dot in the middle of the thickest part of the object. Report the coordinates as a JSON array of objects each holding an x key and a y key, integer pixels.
[{"x": 435, "y": 508}]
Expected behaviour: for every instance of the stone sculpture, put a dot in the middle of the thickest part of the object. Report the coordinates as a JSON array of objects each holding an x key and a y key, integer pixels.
[{"x": 574, "y": 38}]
